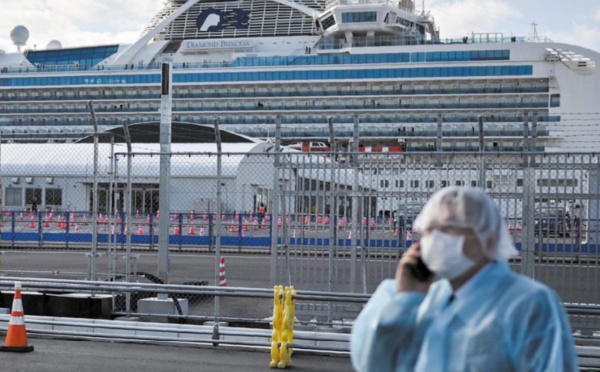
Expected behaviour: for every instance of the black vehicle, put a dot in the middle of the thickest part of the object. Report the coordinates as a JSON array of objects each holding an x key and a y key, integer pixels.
[{"x": 552, "y": 222}]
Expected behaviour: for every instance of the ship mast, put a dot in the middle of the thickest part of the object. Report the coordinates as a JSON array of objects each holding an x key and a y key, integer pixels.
[{"x": 534, "y": 34}]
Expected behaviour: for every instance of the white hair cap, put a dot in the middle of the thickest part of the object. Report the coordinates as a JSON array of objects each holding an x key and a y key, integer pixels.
[{"x": 468, "y": 207}]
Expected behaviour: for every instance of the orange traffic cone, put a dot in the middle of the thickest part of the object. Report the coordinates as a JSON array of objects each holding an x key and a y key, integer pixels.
[
  {"x": 140, "y": 230},
  {"x": 16, "y": 336},
  {"x": 222, "y": 278},
  {"x": 176, "y": 232},
  {"x": 192, "y": 230},
  {"x": 408, "y": 236},
  {"x": 232, "y": 229},
  {"x": 32, "y": 223}
]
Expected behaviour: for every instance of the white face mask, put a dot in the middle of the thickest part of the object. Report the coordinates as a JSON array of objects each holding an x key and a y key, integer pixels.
[{"x": 443, "y": 254}]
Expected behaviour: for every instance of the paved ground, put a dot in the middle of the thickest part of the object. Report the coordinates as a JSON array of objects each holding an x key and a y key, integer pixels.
[
  {"x": 92, "y": 356},
  {"x": 52, "y": 355}
]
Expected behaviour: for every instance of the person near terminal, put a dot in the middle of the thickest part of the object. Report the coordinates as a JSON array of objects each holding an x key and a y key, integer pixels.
[
  {"x": 455, "y": 304},
  {"x": 261, "y": 213}
]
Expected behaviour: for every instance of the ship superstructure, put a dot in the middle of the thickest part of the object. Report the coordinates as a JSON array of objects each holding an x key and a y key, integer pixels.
[{"x": 382, "y": 63}]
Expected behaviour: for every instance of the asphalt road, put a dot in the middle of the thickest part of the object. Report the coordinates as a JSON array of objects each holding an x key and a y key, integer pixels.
[
  {"x": 575, "y": 280},
  {"x": 93, "y": 356}
]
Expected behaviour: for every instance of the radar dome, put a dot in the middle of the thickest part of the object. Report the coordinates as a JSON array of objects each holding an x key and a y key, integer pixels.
[
  {"x": 54, "y": 44},
  {"x": 19, "y": 36}
]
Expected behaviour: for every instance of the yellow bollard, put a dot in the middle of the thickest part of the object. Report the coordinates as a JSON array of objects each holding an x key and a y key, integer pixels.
[
  {"x": 277, "y": 326},
  {"x": 287, "y": 336},
  {"x": 282, "y": 337}
]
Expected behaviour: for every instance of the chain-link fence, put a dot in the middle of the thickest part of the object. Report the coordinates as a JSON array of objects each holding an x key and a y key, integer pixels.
[{"x": 321, "y": 222}]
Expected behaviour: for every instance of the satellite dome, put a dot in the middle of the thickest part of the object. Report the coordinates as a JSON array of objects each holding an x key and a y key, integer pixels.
[
  {"x": 19, "y": 36},
  {"x": 54, "y": 44}
]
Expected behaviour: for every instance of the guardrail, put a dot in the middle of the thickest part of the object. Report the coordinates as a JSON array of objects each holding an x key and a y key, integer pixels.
[{"x": 335, "y": 339}]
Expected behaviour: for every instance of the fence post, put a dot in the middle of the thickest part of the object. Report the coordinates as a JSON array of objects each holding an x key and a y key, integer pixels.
[
  {"x": 210, "y": 232},
  {"x": 66, "y": 219},
  {"x": 94, "y": 195},
  {"x": 40, "y": 230},
  {"x": 482, "y": 162},
  {"x": 12, "y": 230},
  {"x": 332, "y": 208},
  {"x": 219, "y": 212},
  {"x": 275, "y": 208},
  {"x": 180, "y": 224},
  {"x": 355, "y": 207},
  {"x": 528, "y": 244},
  {"x": 165, "y": 172}
]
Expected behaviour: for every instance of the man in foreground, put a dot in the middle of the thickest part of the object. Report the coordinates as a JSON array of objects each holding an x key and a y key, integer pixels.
[{"x": 470, "y": 312}]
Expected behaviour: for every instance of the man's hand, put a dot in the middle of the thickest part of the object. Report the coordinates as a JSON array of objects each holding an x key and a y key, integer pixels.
[{"x": 405, "y": 280}]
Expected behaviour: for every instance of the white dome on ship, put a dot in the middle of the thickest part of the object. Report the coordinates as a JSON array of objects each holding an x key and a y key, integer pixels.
[
  {"x": 54, "y": 44},
  {"x": 19, "y": 35}
]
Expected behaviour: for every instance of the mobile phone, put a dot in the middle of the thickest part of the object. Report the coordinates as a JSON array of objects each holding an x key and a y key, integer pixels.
[{"x": 420, "y": 270}]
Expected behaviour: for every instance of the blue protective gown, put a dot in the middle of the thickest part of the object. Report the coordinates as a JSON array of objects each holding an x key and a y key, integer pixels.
[{"x": 506, "y": 322}]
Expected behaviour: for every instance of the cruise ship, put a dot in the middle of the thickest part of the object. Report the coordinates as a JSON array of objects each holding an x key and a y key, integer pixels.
[{"x": 382, "y": 63}]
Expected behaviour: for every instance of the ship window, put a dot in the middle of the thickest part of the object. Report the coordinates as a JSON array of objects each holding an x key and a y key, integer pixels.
[
  {"x": 328, "y": 22},
  {"x": 350, "y": 17},
  {"x": 553, "y": 182},
  {"x": 555, "y": 100}
]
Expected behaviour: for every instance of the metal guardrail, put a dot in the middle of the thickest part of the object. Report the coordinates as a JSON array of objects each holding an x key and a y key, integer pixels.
[
  {"x": 256, "y": 338},
  {"x": 63, "y": 285}
]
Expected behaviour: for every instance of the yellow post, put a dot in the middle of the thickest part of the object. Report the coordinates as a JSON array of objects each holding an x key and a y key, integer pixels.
[
  {"x": 288, "y": 332},
  {"x": 276, "y": 336}
]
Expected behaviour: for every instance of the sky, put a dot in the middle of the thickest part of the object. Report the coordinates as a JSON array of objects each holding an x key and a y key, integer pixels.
[{"x": 102, "y": 22}]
